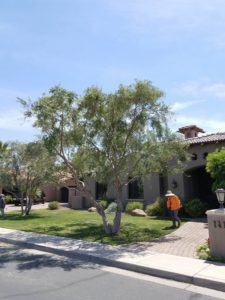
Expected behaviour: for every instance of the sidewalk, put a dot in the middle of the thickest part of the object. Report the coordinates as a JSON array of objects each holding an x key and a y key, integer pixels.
[{"x": 139, "y": 258}]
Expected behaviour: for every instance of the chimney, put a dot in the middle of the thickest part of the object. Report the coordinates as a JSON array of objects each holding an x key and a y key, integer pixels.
[{"x": 190, "y": 131}]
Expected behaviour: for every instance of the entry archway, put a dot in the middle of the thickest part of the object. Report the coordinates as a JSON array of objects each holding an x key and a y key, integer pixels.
[
  {"x": 198, "y": 184},
  {"x": 64, "y": 195}
]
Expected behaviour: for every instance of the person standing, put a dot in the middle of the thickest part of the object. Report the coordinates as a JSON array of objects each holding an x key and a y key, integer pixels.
[
  {"x": 173, "y": 204},
  {"x": 2, "y": 204}
]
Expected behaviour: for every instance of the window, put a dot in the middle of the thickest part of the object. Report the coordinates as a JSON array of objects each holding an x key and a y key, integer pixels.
[
  {"x": 101, "y": 189},
  {"x": 163, "y": 184},
  {"x": 194, "y": 156},
  {"x": 136, "y": 189}
]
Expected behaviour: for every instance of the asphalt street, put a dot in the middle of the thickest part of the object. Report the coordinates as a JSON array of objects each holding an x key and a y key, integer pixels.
[{"x": 31, "y": 274}]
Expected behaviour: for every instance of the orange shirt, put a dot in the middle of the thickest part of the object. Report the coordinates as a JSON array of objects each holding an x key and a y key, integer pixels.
[{"x": 173, "y": 203}]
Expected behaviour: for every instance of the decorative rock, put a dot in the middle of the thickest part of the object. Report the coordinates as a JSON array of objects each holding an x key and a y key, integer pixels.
[
  {"x": 92, "y": 209},
  {"x": 138, "y": 212}
]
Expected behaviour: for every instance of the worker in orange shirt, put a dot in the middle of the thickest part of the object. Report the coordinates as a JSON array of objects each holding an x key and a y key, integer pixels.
[{"x": 173, "y": 204}]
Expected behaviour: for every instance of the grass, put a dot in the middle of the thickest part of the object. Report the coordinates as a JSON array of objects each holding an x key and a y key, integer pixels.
[{"x": 87, "y": 226}]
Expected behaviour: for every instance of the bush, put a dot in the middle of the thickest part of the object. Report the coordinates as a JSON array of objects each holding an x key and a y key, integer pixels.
[
  {"x": 8, "y": 199},
  {"x": 104, "y": 203},
  {"x": 111, "y": 208},
  {"x": 53, "y": 205},
  {"x": 203, "y": 252},
  {"x": 133, "y": 205},
  {"x": 195, "y": 208},
  {"x": 158, "y": 208}
]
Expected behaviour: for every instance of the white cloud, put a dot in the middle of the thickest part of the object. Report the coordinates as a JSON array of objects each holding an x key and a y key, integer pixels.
[
  {"x": 175, "y": 15},
  {"x": 201, "y": 88},
  {"x": 208, "y": 125},
  {"x": 216, "y": 89},
  {"x": 14, "y": 120},
  {"x": 177, "y": 106}
]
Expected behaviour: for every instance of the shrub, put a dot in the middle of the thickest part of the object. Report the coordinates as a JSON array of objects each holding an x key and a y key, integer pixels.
[
  {"x": 104, "y": 203},
  {"x": 203, "y": 252},
  {"x": 158, "y": 208},
  {"x": 133, "y": 205},
  {"x": 195, "y": 208},
  {"x": 8, "y": 199},
  {"x": 111, "y": 208},
  {"x": 53, "y": 205}
]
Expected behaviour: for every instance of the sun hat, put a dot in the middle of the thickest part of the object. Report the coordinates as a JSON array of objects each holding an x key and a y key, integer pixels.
[{"x": 169, "y": 193}]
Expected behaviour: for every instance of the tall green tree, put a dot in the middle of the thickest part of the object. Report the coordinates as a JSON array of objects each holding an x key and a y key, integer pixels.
[
  {"x": 112, "y": 137},
  {"x": 215, "y": 166}
]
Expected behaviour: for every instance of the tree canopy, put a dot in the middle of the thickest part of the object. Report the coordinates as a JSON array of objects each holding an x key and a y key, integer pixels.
[
  {"x": 25, "y": 168},
  {"x": 112, "y": 137},
  {"x": 216, "y": 167}
]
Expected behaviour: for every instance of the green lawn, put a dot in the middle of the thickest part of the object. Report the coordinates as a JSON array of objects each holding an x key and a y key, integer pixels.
[{"x": 87, "y": 226}]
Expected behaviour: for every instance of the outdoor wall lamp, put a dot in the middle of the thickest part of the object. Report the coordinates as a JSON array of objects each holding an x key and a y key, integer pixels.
[
  {"x": 174, "y": 184},
  {"x": 220, "y": 193}
]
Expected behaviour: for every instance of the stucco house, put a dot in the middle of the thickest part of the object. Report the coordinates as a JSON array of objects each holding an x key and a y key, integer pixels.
[{"x": 194, "y": 182}]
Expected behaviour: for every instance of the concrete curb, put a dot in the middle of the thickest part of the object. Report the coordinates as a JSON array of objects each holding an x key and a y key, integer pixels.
[{"x": 99, "y": 259}]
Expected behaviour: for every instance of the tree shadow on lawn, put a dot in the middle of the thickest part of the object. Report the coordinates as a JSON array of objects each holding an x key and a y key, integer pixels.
[
  {"x": 27, "y": 260},
  {"x": 15, "y": 216},
  {"x": 129, "y": 233}
]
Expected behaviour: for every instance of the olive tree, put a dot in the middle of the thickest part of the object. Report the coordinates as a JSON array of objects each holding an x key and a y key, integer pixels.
[
  {"x": 25, "y": 169},
  {"x": 112, "y": 137}
]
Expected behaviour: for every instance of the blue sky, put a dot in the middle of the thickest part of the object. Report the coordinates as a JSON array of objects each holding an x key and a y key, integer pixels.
[{"x": 179, "y": 45}]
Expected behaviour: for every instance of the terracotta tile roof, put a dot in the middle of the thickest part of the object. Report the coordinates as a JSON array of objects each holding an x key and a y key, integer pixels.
[{"x": 209, "y": 138}]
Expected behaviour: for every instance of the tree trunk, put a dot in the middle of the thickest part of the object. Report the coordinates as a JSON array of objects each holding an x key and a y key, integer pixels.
[
  {"x": 28, "y": 206},
  {"x": 117, "y": 218},
  {"x": 107, "y": 227}
]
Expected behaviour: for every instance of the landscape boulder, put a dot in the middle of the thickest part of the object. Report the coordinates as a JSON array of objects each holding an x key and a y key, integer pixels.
[
  {"x": 138, "y": 212},
  {"x": 92, "y": 209}
]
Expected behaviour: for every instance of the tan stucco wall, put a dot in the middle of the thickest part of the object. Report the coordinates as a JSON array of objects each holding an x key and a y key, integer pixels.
[
  {"x": 151, "y": 182},
  {"x": 151, "y": 188}
]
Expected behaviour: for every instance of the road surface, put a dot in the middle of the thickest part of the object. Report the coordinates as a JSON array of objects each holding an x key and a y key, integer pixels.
[{"x": 30, "y": 274}]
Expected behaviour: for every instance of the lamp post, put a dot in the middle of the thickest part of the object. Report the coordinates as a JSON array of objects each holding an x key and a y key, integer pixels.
[{"x": 220, "y": 193}]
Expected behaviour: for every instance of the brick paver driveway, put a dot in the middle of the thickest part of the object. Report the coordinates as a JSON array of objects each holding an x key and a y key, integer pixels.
[{"x": 182, "y": 242}]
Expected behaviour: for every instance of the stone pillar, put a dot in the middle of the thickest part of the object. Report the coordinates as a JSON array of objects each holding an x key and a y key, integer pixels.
[{"x": 216, "y": 225}]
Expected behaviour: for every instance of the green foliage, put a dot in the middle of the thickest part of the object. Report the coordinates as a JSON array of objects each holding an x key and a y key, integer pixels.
[
  {"x": 27, "y": 167},
  {"x": 131, "y": 205},
  {"x": 104, "y": 203},
  {"x": 53, "y": 205},
  {"x": 158, "y": 208},
  {"x": 110, "y": 137},
  {"x": 216, "y": 167},
  {"x": 203, "y": 252},
  {"x": 195, "y": 208},
  {"x": 111, "y": 208},
  {"x": 8, "y": 199}
]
